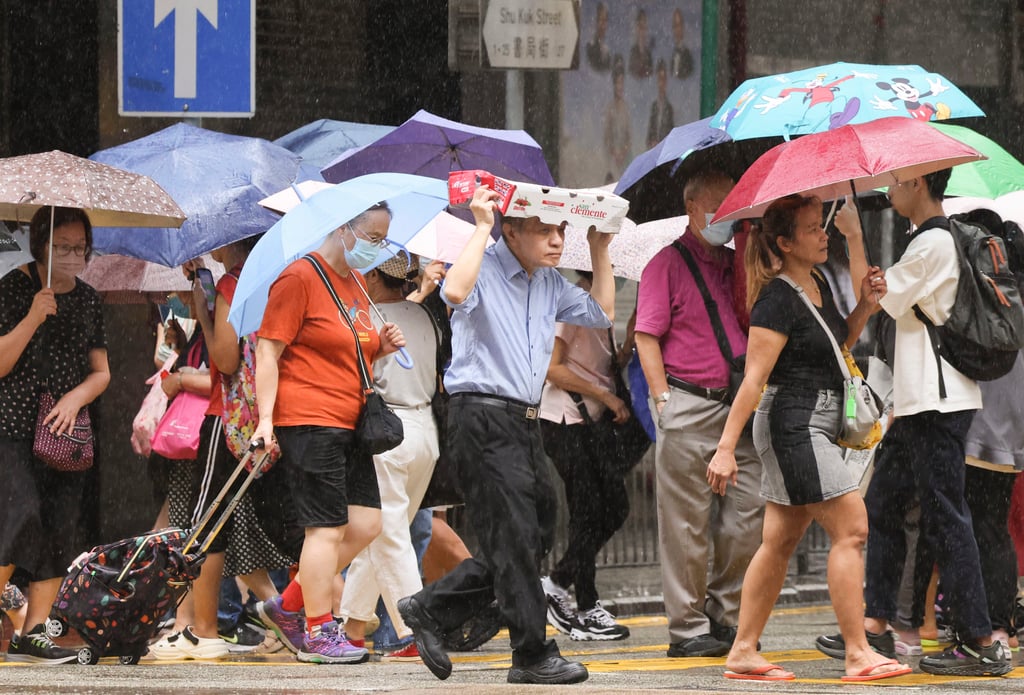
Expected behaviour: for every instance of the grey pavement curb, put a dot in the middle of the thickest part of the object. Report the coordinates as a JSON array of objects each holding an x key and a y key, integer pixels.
[{"x": 795, "y": 595}]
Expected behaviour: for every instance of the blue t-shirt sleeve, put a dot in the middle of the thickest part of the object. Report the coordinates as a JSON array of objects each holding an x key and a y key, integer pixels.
[{"x": 577, "y": 306}]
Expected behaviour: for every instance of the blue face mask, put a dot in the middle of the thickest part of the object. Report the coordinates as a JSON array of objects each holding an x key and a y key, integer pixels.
[
  {"x": 177, "y": 308},
  {"x": 717, "y": 234},
  {"x": 363, "y": 253}
]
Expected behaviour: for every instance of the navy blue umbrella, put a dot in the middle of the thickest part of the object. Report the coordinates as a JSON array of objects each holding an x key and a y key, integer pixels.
[
  {"x": 217, "y": 179},
  {"x": 653, "y": 182}
]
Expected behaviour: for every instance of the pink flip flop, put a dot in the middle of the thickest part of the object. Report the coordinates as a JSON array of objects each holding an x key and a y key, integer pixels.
[
  {"x": 868, "y": 673},
  {"x": 761, "y": 674}
]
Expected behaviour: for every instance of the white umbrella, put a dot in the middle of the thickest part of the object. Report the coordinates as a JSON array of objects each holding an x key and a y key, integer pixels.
[
  {"x": 1009, "y": 206},
  {"x": 13, "y": 249}
]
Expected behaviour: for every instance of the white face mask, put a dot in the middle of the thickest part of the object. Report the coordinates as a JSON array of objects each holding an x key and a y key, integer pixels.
[
  {"x": 717, "y": 234},
  {"x": 71, "y": 265}
]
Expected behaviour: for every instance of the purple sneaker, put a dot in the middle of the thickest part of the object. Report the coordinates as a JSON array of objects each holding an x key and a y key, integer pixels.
[
  {"x": 331, "y": 646},
  {"x": 289, "y": 627}
]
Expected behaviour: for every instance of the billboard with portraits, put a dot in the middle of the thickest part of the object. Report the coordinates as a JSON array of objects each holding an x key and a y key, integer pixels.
[{"x": 638, "y": 77}]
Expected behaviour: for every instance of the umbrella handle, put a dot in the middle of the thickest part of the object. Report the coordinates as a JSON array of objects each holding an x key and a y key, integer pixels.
[
  {"x": 403, "y": 358},
  {"x": 860, "y": 218}
]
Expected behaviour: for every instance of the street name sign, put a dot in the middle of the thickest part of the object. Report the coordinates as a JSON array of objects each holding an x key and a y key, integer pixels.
[
  {"x": 187, "y": 58},
  {"x": 531, "y": 34}
]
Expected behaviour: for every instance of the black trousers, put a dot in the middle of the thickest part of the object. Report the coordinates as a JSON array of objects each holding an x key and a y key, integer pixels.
[
  {"x": 597, "y": 501},
  {"x": 988, "y": 496},
  {"x": 511, "y": 505},
  {"x": 924, "y": 453}
]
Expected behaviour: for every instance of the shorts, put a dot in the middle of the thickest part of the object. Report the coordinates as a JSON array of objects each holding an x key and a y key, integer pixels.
[
  {"x": 795, "y": 432},
  {"x": 41, "y": 512},
  {"x": 326, "y": 473}
]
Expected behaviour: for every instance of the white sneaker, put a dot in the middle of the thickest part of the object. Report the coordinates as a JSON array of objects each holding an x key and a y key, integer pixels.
[
  {"x": 185, "y": 645},
  {"x": 598, "y": 624},
  {"x": 270, "y": 644},
  {"x": 561, "y": 614}
]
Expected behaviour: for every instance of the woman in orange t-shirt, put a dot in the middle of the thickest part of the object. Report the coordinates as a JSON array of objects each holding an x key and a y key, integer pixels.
[{"x": 310, "y": 395}]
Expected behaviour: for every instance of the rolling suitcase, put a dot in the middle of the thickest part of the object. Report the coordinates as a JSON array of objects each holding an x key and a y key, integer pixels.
[{"x": 114, "y": 595}]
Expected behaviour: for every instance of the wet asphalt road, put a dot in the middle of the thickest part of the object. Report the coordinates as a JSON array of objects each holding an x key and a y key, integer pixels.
[{"x": 635, "y": 665}]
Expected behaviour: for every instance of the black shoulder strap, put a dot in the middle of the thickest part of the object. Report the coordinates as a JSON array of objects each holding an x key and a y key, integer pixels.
[
  {"x": 709, "y": 302},
  {"x": 933, "y": 332},
  {"x": 437, "y": 345},
  {"x": 364, "y": 373},
  {"x": 936, "y": 342}
]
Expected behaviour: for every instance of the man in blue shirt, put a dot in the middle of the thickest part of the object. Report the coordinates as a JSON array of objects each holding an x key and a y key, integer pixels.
[{"x": 505, "y": 301}]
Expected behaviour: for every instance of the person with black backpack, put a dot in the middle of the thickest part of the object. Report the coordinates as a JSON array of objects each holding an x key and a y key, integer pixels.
[{"x": 923, "y": 451}]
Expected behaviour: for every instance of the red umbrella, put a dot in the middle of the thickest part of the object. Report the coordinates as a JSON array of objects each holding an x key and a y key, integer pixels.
[{"x": 834, "y": 163}]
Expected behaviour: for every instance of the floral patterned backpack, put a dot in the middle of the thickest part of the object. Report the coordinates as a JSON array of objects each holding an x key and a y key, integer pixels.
[{"x": 240, "y": 414}]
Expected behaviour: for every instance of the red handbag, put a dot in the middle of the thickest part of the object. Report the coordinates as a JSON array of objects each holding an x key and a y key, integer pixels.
[{"x": 72, "y": 450}]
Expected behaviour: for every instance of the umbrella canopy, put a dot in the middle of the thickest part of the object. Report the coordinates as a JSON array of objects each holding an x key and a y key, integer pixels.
[
  {"x": 13, "y": 249},
  {"x": 862, "y": 157},
  {"x": 1009, "y": 206},
  {"x": 653, "y": 182},
  {"x": 414, "y": 201},
  {"x": 110, "y": 196},
  {"x": 216, "y": 178},
  {"x": 823, "y": 98},
  {"x": 443, "y": 238},
  {"x": 116, "y": 273},
  {"x": 321, "y": 142},
  {"x": 429, "y": 145},
  {"x": 631, "y": 249},
  {"x": 999, "y": 174}
]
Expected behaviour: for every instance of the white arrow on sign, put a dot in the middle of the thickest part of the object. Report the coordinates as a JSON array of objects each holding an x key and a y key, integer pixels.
[{"x": 186, "y": 17}]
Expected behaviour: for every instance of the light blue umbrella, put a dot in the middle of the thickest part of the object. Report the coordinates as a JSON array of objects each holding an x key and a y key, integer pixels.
[
  {"x": 414, "y": 201},
  {"x": 321, "y": 142},
  {"x": 824, "y": 98},
  {"x": 216, "y": 178}
]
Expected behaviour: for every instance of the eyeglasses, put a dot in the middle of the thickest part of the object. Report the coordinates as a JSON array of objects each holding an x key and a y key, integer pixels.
[
  {"x": 65, "y": 250},
  {"x": 379, "y": 243}
]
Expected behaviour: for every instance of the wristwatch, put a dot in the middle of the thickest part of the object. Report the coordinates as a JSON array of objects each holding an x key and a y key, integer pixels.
[{"x": 662, "y": 398}]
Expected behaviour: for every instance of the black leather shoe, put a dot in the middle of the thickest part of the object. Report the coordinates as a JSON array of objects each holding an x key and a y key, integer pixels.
[
  {"x": 726, "y": 633},
  {"x": 701, "y": 645},
  {"x": 427, "y": 634},
  {"x": 554, "y": 670},
  {"x": 834, "y": 646}
]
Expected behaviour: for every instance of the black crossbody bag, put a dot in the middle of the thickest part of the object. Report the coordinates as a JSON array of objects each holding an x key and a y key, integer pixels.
[
  {"x": 736, "y": 364},
  {"x": 378, "y": 429}
]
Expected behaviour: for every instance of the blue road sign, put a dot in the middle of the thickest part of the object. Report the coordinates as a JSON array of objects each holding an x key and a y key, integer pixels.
[{"x": 193, "y": 58}]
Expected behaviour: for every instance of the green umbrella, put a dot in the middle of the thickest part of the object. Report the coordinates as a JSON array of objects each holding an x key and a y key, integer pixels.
[{"x": 988, "y": 178}]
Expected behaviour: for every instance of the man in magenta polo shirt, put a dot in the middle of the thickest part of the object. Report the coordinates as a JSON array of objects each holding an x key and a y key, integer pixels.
[{"x": 688, "y": 376}]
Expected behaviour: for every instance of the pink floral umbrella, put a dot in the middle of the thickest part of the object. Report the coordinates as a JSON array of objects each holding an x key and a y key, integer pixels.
[
  {"x": 630, "y": 250},
  {"x": 111, "y": 197}
]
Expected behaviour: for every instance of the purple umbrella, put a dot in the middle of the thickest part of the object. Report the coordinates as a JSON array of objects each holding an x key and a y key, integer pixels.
[{"x": 429, "y": 145}]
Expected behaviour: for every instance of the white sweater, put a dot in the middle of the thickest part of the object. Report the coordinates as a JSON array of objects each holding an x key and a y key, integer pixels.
[{"x": 927, "y": 275}]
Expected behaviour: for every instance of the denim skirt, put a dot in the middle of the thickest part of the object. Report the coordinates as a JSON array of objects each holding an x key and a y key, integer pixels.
[{"x": 795, "y": 432}]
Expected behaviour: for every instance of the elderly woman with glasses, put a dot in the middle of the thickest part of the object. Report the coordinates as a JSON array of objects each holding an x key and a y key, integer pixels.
[
  {"x": 51, "y": 340},
  {"x": 310, "y": 396}
]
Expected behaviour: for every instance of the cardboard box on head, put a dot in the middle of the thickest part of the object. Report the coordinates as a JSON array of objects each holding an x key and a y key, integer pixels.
[{"x": 583, "y": 208}]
